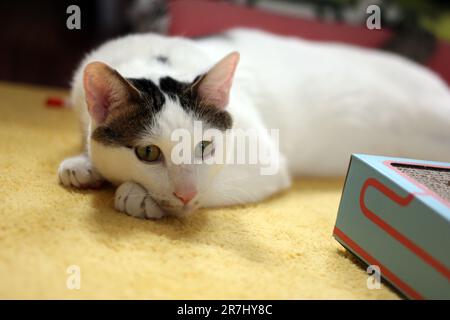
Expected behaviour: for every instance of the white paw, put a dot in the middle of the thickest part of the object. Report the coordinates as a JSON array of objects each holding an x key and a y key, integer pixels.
[
  {"x": 134, "y": 200},
  {"x": 78, "y": 172}
]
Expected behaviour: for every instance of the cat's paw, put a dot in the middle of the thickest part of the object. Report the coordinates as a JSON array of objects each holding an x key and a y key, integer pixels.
[
  {"x": 134, "y": 200},
  {"x": 78, "y": 172}
]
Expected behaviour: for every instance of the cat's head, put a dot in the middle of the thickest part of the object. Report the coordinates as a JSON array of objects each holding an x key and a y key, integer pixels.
[{"x": 132, "y": 122}]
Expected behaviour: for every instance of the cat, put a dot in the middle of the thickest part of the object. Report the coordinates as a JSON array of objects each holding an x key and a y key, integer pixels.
[{"x": 327, "y": 100}]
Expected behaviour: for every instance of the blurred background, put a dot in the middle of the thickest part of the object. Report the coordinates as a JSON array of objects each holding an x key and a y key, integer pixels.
[{"x": 38, "y": 48}]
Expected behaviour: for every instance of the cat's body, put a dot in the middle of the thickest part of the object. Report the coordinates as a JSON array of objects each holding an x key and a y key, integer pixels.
[{"x": 327, "y": 100}]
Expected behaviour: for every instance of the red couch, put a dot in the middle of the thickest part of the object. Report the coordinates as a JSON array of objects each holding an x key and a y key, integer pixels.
[{"x": 202, "y": 17}]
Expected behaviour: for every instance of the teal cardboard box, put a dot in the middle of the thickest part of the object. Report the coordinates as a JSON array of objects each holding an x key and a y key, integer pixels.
[{"x": 395, "y": 214}]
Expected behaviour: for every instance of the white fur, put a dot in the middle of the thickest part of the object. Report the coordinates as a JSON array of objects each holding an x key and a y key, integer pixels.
[
  {"x": 133, "y": 199},
  {"x": 78, "y": 172},
  {"x": 328, "y": 100}
]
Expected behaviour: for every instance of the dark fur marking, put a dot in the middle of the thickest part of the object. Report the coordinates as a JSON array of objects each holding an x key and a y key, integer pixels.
[
  {"x": 124, "y": 127},
  {"x": 150, "y": 92},
  {"x": 162, "y": 59},
  {"x": 192, "y": 103},
  {"x": 126, "y": 122}
]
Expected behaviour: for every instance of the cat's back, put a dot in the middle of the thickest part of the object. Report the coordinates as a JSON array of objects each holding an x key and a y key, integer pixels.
[
  {"x": 330, "y": 100},
  {"x": 278, "y": 58}
]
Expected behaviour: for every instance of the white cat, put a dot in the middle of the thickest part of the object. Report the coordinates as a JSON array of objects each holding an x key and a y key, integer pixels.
[{"x": 327, "y": 100}]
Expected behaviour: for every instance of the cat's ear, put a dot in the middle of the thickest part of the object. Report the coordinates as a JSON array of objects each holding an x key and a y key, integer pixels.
[
  {"x": 214, "y": 87},
  {"x": 105, "y": 90}
]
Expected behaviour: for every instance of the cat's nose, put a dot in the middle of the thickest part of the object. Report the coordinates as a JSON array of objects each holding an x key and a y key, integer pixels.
[{"x": 185, "y": 196}]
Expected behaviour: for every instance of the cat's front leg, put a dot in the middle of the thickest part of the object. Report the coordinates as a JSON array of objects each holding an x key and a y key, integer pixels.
[
  {"x": 78, "y": 172},
  {"x": 131, "y": 198}
]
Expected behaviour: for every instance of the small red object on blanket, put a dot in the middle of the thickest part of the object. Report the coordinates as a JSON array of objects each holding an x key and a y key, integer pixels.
[{"x": 56, "y": 102}]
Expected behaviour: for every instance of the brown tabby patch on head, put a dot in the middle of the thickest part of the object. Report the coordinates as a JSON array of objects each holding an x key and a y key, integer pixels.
[{"x": 126, "y": 122}]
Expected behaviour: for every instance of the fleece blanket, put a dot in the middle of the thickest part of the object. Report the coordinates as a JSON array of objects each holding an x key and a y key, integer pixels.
[{"x": 59, "y": 243}]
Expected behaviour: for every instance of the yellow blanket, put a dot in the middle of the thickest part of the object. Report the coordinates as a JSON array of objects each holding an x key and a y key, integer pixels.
[{"x": 52, "y": 239}]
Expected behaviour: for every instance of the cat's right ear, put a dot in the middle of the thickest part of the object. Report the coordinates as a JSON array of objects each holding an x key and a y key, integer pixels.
[{"x": 105, "y": 90}]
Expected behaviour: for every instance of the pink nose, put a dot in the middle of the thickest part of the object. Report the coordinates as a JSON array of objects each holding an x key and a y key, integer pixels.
[{"x": 185, "y": 196}]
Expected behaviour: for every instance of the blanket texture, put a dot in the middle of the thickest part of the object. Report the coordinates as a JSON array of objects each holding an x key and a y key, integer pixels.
[{"x": 281, "y": 248}]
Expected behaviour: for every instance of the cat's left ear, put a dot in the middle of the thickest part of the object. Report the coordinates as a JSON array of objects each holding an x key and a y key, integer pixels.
[
  {"x": 214, "y": 87},
  {"x": 106, "y": 91}
]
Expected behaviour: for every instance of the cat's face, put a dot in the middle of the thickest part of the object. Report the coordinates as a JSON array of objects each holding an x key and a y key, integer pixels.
[{"x": 135, "y": 124}]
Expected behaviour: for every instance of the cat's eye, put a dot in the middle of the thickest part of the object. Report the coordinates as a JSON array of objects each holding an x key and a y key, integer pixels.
[
  {"x": 150, "y": 153},
  {"x": 204, "y": 149}
]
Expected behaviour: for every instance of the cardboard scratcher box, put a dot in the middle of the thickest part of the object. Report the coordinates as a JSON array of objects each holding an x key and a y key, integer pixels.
[{"x": 395, "y": 214}]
